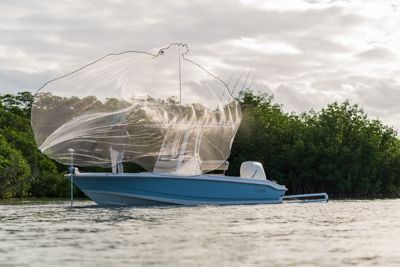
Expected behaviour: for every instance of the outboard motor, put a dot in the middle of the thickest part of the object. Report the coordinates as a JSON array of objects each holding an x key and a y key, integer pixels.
[{"x": 252, "y": 169}]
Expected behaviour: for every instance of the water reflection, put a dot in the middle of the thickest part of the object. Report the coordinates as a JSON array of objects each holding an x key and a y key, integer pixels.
[{"x": 361, "y": 233}]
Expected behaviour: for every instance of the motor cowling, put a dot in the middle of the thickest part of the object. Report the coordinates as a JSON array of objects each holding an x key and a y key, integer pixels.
[{"x": 252, "y": 169}]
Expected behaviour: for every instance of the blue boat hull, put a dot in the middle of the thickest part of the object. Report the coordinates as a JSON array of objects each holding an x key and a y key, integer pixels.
[{"x": 153, "y": 189}]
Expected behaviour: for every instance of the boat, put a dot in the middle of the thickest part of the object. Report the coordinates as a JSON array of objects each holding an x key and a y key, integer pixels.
[
  {"x": 149, "y": 188},
  {"x": 165, "y": 113},
  {"x": 160, "y": 189}
]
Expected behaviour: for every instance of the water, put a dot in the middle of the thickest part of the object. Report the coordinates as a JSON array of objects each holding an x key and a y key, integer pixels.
[{"x": 340, "y": 233}]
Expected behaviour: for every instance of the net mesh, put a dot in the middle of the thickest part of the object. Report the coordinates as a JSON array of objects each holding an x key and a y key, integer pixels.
[{"x": 160, "y": 110}]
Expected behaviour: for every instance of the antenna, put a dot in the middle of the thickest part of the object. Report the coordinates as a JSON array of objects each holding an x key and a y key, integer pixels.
[
  {"x": 72, "y": 170},
  {"x": 180, "y": 78}
]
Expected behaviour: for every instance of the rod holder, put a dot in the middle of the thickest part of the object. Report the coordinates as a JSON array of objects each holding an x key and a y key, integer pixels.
[{"x": 72, "y": 170}]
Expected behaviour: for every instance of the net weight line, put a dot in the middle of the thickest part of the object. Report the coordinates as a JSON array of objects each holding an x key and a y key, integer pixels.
[{"x": 159, "y": 53}]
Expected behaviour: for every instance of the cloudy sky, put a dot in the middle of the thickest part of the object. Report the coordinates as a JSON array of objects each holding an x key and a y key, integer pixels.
[{"x": 307, "y": 53}]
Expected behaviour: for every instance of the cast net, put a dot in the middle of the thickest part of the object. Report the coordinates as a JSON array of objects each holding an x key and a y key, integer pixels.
[{"x": 158, "y": 109}]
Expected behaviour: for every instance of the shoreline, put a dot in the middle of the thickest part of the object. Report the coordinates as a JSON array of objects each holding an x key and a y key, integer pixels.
[
  {"x": 37, "y": 201},
  {"x": 48, "y": 200}
]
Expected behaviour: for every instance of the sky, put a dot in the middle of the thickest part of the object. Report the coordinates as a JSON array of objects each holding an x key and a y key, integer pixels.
[{"x": 307, "y": 53}]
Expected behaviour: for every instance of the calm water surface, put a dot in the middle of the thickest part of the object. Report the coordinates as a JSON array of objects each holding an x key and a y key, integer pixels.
[{"x": 340, "y": 233}]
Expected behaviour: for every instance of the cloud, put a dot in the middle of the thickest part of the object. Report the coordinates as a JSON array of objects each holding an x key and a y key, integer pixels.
[
  {"x": 378, "y": 54},
  {"x": 308, "y": 53},
  {"x": 13, "y": 81}
]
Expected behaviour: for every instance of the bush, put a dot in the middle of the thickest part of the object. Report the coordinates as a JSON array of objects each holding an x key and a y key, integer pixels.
[{"x": 14, "y": 171}]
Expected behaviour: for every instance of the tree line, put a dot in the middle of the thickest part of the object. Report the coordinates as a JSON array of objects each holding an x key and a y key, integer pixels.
[{"x": 338, "y": 150}]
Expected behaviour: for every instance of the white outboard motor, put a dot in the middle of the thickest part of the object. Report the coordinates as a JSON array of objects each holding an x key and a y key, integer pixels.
[{"x": 252, "y": 169}]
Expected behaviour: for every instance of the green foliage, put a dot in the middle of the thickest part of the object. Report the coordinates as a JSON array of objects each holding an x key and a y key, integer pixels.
[
  {"x": 14, "y": 171},
  {"x": 338, "y": 150},
  {"x": 41, "y": 176}
]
